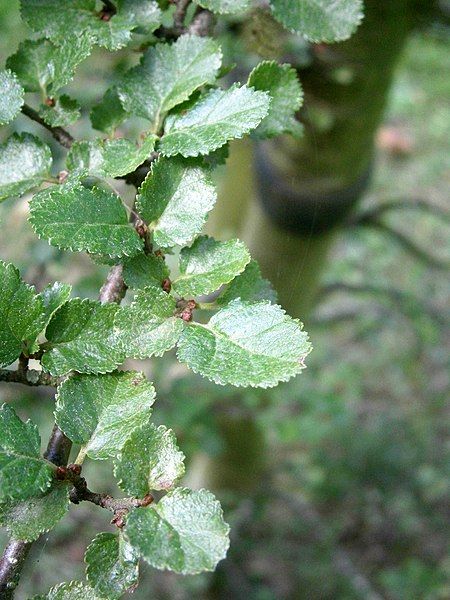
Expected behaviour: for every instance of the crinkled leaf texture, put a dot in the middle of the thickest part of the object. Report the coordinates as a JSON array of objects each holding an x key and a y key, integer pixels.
[
  {"x": 43, "y": 66},
  {"x": 23, "y": 473},
  {"x": 319, "y": 20},
  {"x": 72, "y": 590},
  {"x": 100, "y": 412},
  {"x": 28, "y": 519},
  {"x": 109, "y": 158},
  {"x": 249, "y": 286},
  {"x": 185, "y": 532},
  {"x": 225, "y": 7},
  {"x": 218, "y": 116},
  {"x": 150, "y": 460},
  {"x": 53, "y": 296},
  {"x": 25, "y": 162},
  {"x": 65, "y": 111},
  {"x": 282, "y": 83},
  {"x": 22, "y": 315},
  {"x": 144, "y": 14},
  {"x": 52, "y": 18},
  {"x": 148, "y": 327},
  {"x": 11, "y": 96},
  {"x": 246, "y": 344},
  {"x": 74, "y": 218},
  {"x": 81, "y": 338},
  {"x": 167, "y": 76},
  {"x": 175, "y": 199},
  {"x": 112, "y": 565},
  {"x": 208, "y": 264},
  {"x": 144, "y": 270}
]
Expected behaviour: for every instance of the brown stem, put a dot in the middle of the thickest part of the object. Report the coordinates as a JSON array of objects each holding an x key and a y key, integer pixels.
[
  {"x": 61, "y": 135},
  {"x": 202, "y": 23},
  {"x": 180, "y": 14},
  {"x": 29, "y": 377}
]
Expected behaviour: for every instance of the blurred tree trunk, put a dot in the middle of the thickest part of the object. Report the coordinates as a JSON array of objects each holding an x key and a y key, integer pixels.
[{"x": 287, "y": 198}]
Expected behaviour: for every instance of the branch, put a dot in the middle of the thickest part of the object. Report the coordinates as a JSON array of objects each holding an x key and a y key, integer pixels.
[
  {"x": 15, "y": 553},
  {"x": 80, "y": 492},
  {"x": 114, "y": 288},
  {"x": 61, "y": 135},
  {"x": 29, "y": 377},
  {"x": 180, "y": 14},
  {"x": 202, "y": 23}
]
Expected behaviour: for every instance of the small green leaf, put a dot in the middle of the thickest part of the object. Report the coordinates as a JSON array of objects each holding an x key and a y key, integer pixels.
[
  {"x": 167, "y": 76},
  {"x": 109, "y": 158},
  {"x": 43, "y": 67},
  {"x": 208, "y": 264},
  {"x": 319, "y": 20},
  {"x": 148, "y": 327},
  {"x": 28, "y": 519},
  {"x": 72, "y": 590},
  {"x": 81, "y": 338},
  {"x": 64, "y": 112},
  {"x": 219, "y": 116},
  {"x": 185, "y": 532},
  {"x": 175, "y": 199},
  {"x": 249, "y": 286},
  {"x": 51, "y": 18},
  {"x": 225, "y": 7},
  {"x": 144, "y": 270},
  {"x": 246, "y": 344},
  {"x": 281, "y": 82},
  {"x": 21, "y": 315},
  {"x": 73, "y": 217},
  {"x": 25, "y": 162},
  {"x": 53, "y": 296},
  {"x": 108, "y": 114},
  {"x": 150, "y": 460},
  {"x": 101, "y": 412},
  {"x": 11, "y": 96},
  {"x": 112, "y": 565},
  {"x": 144, "y": 14},
  {"x": 23, "y": 473}
]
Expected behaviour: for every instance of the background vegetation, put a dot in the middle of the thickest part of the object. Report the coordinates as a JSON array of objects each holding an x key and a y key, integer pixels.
[{"x": 355, "y": 502}]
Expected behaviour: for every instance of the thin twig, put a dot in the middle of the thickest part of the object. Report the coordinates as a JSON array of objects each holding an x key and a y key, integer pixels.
[
  {"x": 202, "y": 23},
  {"x": 61, "y": 135},
  {"x": 180, "y": 14},
  {"x": 365, "y": 216}
]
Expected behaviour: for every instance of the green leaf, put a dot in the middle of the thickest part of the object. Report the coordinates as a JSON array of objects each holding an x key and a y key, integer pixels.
[
  {"x": 72, "y": 590},
  {"x": 21, "y": 315},
  {"x": 23, "y": 473},
  {"x": 319, "y": 20},
  {"x": 112, "y": 565},
  {"x": 43, "y": 67},
  {"x": 208, "y": 264},
  {"x": 109, "y": 113},
  {"x": 150, "y": 460},
  {"x": 109, "y": 158},
  {"x": 73, "y": 217},
  {"x": 281, "y": 82},
  {"x": 11, "y": 96},
  {"x": 144, "y": 270},
  {"x": 225, "y": 7},
  {"x": 144, "y": 14},
  {"x": 249, "y": 286},
  {"x": 148, "y": 327},
  {"x": 64, "y": 112},
  {"x": 53, "y": 296},
  {"x": 25, "y": 162},
  {"x": 219, "y": 116},
  {"x": 28, "y": 519},
  {"x": 101, "y": 412},
  {"x": 185, "y": 532},
  {"x": 246, "y": 344},
  {"x": 51, "y": 19},
  {"x": 81, "y": 338},
  {"x": 175, "y": 199},
  {"x": 167, "y": 76}
]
